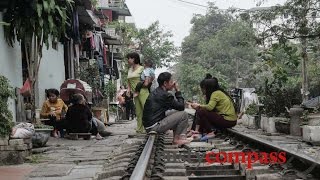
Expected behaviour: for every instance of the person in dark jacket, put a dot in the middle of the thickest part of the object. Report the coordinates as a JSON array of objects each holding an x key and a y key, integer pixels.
[
  {"x": 159, "y": 102},
  {"x": 79, "y": 117}
]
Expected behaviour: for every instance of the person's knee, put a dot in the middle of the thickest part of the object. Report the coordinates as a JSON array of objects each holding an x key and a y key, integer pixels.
[
  {"x": 201, "y": 112},
  {"x": 184, "y": 116}
]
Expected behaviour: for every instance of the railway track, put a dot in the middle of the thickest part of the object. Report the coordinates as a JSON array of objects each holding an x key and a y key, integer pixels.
[{"x": 233, "y": 155}]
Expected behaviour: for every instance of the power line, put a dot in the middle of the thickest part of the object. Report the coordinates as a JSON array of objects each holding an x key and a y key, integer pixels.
[{"x": 195, "y": 4}]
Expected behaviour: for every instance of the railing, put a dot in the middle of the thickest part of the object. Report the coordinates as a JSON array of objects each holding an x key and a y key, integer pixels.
[
  {"x": 116, "y": 3},
  {"x": 142, "y": 164}
]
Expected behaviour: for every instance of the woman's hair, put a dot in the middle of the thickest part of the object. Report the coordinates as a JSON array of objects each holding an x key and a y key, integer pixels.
[
  {"x": 52, "y": 91},
  {"x": 208, "y": 76},
  {"x": 211, "y": 85},
  {"x": 148, "y": 63},
  {"x": 77, "y": 98},
  {"x": 135, "y": 56}
]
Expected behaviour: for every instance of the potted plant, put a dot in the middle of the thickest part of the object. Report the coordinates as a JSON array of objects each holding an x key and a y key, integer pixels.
[
  {"x": 41, "y": 128},
  {"x": 28, "y": 110}
]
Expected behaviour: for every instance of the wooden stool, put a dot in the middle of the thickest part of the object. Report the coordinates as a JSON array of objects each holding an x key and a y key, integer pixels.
[{"x": 76, "y": 136}]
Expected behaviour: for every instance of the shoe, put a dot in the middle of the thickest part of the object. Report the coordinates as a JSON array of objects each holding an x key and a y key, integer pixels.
[
  {"x": 98, "y": 137},
  {"x": 196, "y": 136},
  {"x": 55, "y": 134},
  {"x": 105, "y": 133},
  {"x": 208, "y": 136},
  {"x": 191, "y": 133}
]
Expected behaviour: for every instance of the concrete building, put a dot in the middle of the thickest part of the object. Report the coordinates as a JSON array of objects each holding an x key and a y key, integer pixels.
[
  {"x": 51, "y": 72},
  {"x": 10, "y": 66}
]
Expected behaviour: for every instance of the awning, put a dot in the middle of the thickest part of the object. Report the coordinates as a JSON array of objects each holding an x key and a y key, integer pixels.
[
  {"x": 113, "y": 42},
  {"x": 121, "y": 11},
  {"x": 87, "y": 16}
]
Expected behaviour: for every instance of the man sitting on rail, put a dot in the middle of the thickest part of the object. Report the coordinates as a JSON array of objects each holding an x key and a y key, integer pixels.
[{"x": 158, "y": 103}]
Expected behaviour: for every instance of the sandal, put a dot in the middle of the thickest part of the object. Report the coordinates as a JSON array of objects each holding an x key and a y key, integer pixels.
[
  {"x": 192, "y": 133},
  {"x": 208, "y": 136}
]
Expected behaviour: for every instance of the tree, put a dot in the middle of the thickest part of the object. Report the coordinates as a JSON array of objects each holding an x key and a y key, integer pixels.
[
  {"x": 155, "y": 45},
  {"x": 295, "y": 20},
  {"x": 276, "y": 78},
  {"x": 34, "y": 23},
  {"x": 231, "y": 51},
  {"x": 218, "y": 44}
]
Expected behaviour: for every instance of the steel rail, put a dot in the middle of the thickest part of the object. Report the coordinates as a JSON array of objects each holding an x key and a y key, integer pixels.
[
  {"x": 293, "y": 153},
  {"x": 142, "y": 164}
]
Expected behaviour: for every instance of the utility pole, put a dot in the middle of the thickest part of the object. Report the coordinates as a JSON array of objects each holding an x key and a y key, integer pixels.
[
  {"x": 237, "y": 73},
  {"x": 304, "y": 90},
  {"x": 304, "y": 54}
]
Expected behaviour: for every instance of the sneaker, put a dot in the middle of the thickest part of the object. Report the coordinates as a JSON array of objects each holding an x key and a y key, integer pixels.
[
  {"x": 98, "y": 137},
  {"x": 55, "y": 134}
]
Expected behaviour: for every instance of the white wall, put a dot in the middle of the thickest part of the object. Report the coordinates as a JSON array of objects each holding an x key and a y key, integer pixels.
[
  {"x": 51, "y": 72},
  {"x": 10, "y": 66}
]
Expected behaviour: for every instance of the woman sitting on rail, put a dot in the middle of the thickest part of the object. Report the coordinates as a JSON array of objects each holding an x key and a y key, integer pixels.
[{"x": 218, "y": 112}]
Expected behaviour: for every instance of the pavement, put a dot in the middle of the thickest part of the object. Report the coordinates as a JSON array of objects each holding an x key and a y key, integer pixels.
[
  {"x": 85, "y": 159},
  {"x": 72, "y": 159}
]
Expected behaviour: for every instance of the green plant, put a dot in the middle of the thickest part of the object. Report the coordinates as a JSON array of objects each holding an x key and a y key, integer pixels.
[
  {"x": 42, "y": 126},
  {"x": 90, "y": 75},
  {"x": 35, "y": 23},
  {"x": 35, "y": 158},
  {"x": 6, "y": 92},
  {"x": 110, "y": 90},
  {"x": 94, "y": 3},
  {"x": 305, "y": 115},
  {"x": 252, "y": 109}
]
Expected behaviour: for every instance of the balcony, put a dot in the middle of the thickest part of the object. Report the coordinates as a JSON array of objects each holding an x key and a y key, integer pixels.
[{"x": 117, "y": 6}]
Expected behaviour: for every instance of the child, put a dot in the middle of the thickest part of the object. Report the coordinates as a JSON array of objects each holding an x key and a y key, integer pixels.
[
  {"x": 54, "y": 109},
  {"x": 147, "y": 72}
]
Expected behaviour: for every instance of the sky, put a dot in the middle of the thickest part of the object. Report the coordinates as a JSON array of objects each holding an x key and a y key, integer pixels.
[{"x": 175, "y": 16}]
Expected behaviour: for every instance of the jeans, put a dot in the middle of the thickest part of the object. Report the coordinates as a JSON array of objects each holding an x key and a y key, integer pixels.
[{"x": 177, "y": 121}]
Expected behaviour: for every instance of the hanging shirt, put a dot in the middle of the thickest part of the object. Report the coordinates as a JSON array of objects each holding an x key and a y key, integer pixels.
[{"x": 147, "y": 72}]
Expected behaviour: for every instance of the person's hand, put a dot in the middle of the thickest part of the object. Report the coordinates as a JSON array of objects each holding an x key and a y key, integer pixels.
[
  {"x": 176, "y": 86},
  {"x": 128, "y": 93},
  {"x": 195, "y": 105},
  {"x": 52, "y": 113}
]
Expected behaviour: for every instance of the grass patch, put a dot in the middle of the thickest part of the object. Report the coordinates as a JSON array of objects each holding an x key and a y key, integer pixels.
[{"x": 35, "y": 158}]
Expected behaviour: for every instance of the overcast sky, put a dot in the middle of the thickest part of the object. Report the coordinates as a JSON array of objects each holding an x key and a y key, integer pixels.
[{"x": 175, "y": 15}]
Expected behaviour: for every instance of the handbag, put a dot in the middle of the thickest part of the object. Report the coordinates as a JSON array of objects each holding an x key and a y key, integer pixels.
[{"x": 26, "y": 88}]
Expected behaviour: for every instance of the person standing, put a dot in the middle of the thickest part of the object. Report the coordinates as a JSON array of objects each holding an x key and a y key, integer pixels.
[
  {"x": 160, "y": 101},
  {"x": 134, "y": 74},
  {"x": 129, "y": 105}
]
